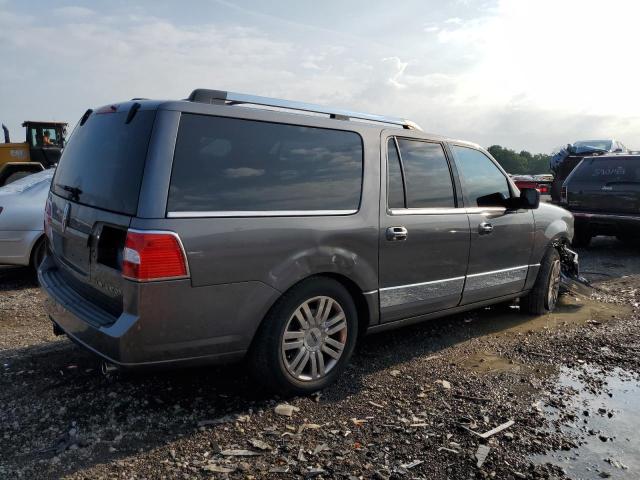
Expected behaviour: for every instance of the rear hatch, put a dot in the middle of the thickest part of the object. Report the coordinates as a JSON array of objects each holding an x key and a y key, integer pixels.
[
  {"x": 608, "y": 184},
  {"x": 94, "y": 195}
]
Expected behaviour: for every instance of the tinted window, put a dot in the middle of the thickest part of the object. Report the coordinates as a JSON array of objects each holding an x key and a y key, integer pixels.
[
  {"x": 479, "y": 175},
  {"x": 104, "y": 160},
  {"x": 603, "y": 171},
  {"x": 427, "y": 176},
  {"x": 225, "y": 164},
  {"x": 395, "y": 196},
  {"x": 593, "y": 145}
]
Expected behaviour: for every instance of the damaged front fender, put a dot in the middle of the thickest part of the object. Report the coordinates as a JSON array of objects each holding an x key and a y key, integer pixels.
[{"x": 570, "y": 278}]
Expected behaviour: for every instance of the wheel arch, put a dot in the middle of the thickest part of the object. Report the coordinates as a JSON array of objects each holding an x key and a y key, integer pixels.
[{"x": 365, "y": 304}]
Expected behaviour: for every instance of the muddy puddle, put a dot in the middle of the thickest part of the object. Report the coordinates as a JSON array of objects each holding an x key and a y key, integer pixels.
[
  {"x": 572, "y": 309},
  {"x": 601, "y": 412}
]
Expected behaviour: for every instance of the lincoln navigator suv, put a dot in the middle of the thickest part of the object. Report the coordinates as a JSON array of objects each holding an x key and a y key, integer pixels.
[{"x": 230, "y": 226}]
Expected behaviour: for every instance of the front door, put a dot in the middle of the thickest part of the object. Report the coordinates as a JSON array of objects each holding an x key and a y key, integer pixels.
[
  {"x": 424, "y": 231},
  {"x": 501, "y": 239}
]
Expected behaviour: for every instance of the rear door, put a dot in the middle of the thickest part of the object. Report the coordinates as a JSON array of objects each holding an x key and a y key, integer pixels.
[
  {"x": 501, "y": 239},
  {"x": 424, "y": 231},
  {"x": 606, "y": 184},
  {"x": 94, "y": 195}
]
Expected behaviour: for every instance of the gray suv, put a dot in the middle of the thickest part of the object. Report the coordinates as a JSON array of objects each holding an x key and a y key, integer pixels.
[{"x": 228, "y": 226}]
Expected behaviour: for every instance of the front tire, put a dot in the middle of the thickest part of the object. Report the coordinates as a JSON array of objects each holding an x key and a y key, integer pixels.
[
  {"x": 543, "y": 297},
  {"x": 307, "y": 338}
]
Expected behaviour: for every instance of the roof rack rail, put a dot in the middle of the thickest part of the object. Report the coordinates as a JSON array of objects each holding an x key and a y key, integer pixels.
[{"x": 203, "y": 95}]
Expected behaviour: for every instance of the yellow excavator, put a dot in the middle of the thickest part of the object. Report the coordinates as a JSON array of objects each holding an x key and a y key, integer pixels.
[{"x": 41, "y": 149}]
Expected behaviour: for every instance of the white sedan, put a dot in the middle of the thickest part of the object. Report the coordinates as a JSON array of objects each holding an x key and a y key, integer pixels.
[{"x": 22, "y": 240}]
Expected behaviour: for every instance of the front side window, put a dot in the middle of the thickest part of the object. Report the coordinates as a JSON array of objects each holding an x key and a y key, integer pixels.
[
  {"x": 43, "y": 137},
  {"x": 426, "y": 172},
  {"x": 479, "y": 175},
  {"x": 228, "y": 164}
]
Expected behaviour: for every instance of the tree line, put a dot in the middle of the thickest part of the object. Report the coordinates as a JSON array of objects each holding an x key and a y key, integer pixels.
[{"x": 520, "y": 163}]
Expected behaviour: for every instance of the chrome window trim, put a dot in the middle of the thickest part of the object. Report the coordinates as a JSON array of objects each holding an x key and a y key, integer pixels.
[
  {"x": 445, "y": 211},
  {"x": 485, "y": 209},
  {"x": 259, "y": 213}
]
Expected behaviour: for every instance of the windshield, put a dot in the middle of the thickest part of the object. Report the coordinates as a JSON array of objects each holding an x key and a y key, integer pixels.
[
  {"x": 103, "y": 162},
  {"x": 608, "y": 170},
  {"x": 586, "y": 145},
  {"x": 27, "y": 182}
]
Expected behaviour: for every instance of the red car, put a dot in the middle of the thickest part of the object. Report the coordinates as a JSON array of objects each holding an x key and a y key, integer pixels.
[{"x": 542, "y": 183}]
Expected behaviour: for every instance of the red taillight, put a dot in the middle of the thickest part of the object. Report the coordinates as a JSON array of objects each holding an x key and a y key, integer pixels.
[
  {"x": 543, "y": 188},
  {"x": 153, "y": 255}
]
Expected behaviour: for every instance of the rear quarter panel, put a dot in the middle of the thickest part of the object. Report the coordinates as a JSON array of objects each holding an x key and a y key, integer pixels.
[{"x": 275, "y": 252}]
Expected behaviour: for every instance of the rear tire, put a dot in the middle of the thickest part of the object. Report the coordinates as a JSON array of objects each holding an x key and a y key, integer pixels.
[
  {"x": 306, "y": 339},
  {"x": 581, "y": 238},
  {"x": 543, "y": 297}
]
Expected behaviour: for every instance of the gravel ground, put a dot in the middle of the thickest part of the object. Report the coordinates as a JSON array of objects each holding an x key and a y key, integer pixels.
[{"x": 412, "y": 404}]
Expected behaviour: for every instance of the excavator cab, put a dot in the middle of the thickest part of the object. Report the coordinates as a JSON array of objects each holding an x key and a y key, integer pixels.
[
  {"x": 46, "y": 141},
  {"x": 42, "y": 149}
]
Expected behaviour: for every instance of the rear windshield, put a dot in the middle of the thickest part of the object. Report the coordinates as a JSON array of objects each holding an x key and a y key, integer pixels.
[
  {"x": 584, "y": 145},
  {"x": 103, "y": 163},
  {"x": 233, "y": 165},
  {"x": 606, "y": 170}
]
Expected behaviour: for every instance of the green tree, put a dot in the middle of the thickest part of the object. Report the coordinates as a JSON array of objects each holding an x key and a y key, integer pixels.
[
  {"x": 520, "y": 163},
  {"x": 509, "y": 159}
]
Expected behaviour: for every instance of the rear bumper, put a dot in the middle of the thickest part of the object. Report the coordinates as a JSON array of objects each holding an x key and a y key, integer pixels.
[
  {"x": 606, "y": 223},
  {"x": 163, "y": 322},
  {"x": 16, "y": 245}
]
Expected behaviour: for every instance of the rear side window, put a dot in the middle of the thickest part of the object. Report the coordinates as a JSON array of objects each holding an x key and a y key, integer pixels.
[
  {"x": 233, "y": 165},
  {"x": 426, "y": 172},
  {"x": 607, "y": 170},
  {"x": 103, "y": 162},
  {"x": 480, "y": 176}
]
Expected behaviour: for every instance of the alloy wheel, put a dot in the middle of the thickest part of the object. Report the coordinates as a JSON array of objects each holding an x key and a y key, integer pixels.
[
  {"x": 554, "y": 285},
  {"x": 314, "y": 338}
]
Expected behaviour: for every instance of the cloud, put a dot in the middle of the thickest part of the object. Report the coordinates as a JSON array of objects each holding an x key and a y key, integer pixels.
[
  {"x": 399, "y": 67},
  {"x": 243, "y": 172},
  {"x": 73, "y": 12},
  {"x": 527, "y": 74}
]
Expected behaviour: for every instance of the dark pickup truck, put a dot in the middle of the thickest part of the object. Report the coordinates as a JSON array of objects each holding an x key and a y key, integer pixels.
[{"x": 603, "y": 193}]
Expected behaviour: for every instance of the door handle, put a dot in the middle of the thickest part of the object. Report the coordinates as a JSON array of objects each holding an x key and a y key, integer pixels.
[
  {"x": 397, "y": 234},
  {"x": 485, "y": 228}
]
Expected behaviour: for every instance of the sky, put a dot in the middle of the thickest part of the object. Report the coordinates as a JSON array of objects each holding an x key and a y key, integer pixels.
[{"x": 525, "y": 74}]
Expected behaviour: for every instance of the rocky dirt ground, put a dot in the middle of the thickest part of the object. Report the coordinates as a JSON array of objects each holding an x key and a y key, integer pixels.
[{"x": 413, "y": 404}]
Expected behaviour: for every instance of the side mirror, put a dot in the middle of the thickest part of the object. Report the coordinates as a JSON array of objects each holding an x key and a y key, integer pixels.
[
  {"x": 492, "y": 200},
  {"x": 529, "y": 198}
]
